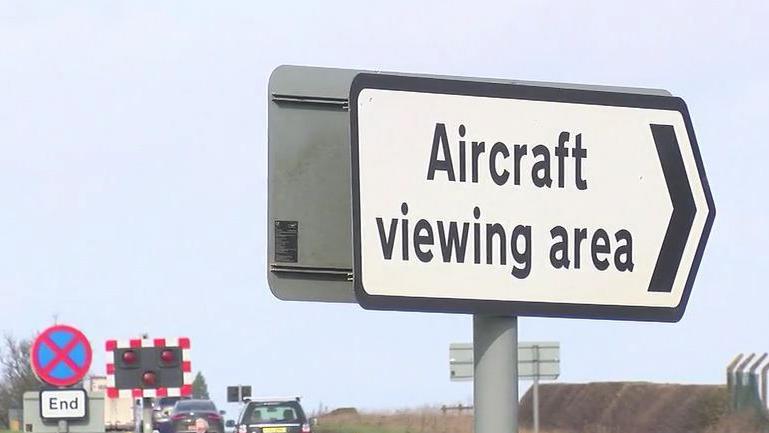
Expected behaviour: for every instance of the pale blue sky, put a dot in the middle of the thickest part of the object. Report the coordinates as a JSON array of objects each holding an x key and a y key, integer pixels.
[{"x": 133, "y": 178}]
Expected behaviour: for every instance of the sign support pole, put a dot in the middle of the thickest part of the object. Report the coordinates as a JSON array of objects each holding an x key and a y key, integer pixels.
[
  {"x": 147, "y": 414},
  {"x": 63, "y": 426},
  {"x": 536, "y": 390},
  {"x": 495, "y": 393}
]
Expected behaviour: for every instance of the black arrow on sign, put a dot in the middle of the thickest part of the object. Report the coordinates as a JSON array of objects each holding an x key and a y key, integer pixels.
[{"x": 683, "y": 208}]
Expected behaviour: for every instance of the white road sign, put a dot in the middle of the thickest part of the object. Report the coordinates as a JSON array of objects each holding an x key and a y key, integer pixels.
[
  {"x": 63, "y": 404},
  {"x": 536, "y": 360},
  {"x": 482, "y": 197}
]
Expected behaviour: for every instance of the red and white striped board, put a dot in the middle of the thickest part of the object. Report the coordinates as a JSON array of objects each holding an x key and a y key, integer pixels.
[{"x": 182, "y": 342}]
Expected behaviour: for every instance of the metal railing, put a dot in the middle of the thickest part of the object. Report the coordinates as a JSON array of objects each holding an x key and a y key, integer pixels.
[{"x": 746, "y": 380}]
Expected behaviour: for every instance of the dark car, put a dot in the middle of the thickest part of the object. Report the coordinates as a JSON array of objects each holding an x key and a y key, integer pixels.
[
  {"x": 161, "y": 413},
  {"x": 187, "y": 411},
  {"x": 273, "y": 416}
]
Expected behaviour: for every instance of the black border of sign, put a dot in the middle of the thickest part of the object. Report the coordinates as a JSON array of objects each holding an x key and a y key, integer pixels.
[
  {"x": 54, "y": 420},
  {"x": 525, "y": 92}
]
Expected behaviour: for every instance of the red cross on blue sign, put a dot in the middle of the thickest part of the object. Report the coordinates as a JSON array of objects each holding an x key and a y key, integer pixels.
[{"x": 61, "y": 356}]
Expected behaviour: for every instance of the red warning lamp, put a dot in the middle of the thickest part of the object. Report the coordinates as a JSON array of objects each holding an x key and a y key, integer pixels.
[
  {"x": 130, "y": 357},
  {"x": 150, "y": 379},
  {"x": 167, "y": 356}
]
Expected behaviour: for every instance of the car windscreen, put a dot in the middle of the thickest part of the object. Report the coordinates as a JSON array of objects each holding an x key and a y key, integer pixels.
[
  {"x": 167, "y": 401},
  {"x": 274, "y": 413},
  {"x": 193, "y": 406}
]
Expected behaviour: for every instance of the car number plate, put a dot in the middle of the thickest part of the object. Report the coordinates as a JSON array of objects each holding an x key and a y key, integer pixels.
[{"x": 274, "y": 429}]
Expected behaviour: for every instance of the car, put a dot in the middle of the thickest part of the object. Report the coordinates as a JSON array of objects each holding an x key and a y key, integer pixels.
[
  {"x": 161, "y": 413},
  {"x": 273, "y": 415},
  {"x": 185, "y": 413}
]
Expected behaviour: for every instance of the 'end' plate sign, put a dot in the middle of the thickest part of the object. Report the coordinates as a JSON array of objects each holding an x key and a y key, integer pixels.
[
  {"x": 63, "y": 404},
  {"x": 480, "y": 197}
]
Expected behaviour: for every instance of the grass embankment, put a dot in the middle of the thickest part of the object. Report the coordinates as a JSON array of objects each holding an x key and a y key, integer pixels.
[
  {"x": 427, "y": 420},
  {"x": 353, "y": 428},
  {"x": 421, "y": 421},
  {"x": 629, "y": 407},
  {"x": 417, "y": 421}
]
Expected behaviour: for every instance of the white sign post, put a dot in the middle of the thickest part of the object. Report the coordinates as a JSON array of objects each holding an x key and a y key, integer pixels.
[{"x": 505, "y": 200}]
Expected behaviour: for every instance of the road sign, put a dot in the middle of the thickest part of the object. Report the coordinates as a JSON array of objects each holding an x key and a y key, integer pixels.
[
  {"x": 309, "y": 205},
  {"x": 63, "y": 404},
  {"x": 540, "y": 360},
  {"x": 93, "y": 422},
  {"x": 61, "y": 356},
  {"x": 482, "y": 197},
  {"x": 233, "y": 394},
  {"x": 149, "y": 368},
  {"x": 237, "y": 394}
]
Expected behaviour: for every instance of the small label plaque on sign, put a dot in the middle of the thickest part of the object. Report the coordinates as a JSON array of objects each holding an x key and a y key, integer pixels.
[
  {"x": 63, "y": 404},
  {"x": 287, "y": 241}
]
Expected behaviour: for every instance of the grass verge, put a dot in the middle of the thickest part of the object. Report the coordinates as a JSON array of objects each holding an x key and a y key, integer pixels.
[{"x": 355, "y": 428}]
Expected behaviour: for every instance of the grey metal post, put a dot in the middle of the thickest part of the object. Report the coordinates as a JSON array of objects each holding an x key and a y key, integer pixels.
[
  {"x": 536, "y": 404},
  {"x": 146, "y": 403},
  {"x": 731, "y": 379},
  {"x": 147, "y": 414},
  {"x": 63, "y": 427},
  {"x": 495, "y": 385},
  {"x": 535, "y": 398},
  {"x": 764, "y": 372},
  {"x": 743, "y": 394}
]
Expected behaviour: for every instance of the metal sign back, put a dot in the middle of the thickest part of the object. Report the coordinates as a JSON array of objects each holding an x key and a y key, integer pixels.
[
  {"x": 535, "y": 359},
  {"x": 309, "y": 253}
]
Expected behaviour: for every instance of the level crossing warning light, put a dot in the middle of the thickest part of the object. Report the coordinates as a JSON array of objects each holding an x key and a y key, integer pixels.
[{"x": 157, "y": 367}]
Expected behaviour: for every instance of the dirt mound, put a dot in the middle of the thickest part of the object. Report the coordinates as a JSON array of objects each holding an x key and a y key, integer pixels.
[
  {"x": 627, "y": 407},
  {"x": 343, "y": 411}
]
